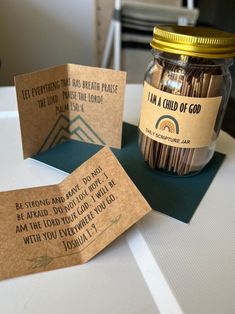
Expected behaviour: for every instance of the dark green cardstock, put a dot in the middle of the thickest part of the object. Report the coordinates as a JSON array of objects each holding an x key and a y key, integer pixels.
[{"x": 174, "y": 196}]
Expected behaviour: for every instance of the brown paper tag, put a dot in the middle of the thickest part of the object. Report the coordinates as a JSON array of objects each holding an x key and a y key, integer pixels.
[
  {"x": 179, "y": 121},
  {"x": 56, "y": 226},
  {"x": 70, "y": 102}
]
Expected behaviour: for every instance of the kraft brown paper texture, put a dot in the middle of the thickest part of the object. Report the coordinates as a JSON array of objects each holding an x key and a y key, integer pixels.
[
  {"x": 180, "y": 125},
  {"x": 39, "y": 227},
  {"x": 70, "y": 102}
]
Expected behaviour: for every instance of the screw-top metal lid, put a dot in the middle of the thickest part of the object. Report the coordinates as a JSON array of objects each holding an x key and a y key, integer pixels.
[{"x": 194, "y": 41}]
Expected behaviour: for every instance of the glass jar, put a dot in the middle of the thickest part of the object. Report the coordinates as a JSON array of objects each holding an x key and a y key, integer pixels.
[{"x": 186, "y": 90}]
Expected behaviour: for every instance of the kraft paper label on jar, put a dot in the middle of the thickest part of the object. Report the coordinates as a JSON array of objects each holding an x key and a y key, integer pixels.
[{"x": 179, "y": 121}]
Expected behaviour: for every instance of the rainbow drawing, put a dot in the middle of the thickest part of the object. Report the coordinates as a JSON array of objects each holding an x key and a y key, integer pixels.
[{"x": 168, "y": 123}]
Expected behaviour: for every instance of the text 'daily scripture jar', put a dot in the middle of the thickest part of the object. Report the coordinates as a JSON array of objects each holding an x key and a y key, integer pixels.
[{"x": 186, "y": 90}]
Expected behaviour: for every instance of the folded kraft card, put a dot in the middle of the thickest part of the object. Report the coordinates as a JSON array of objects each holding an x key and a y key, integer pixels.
[
  {"x": 70, "y": 102},
  {"x": 55, "y": 226}
]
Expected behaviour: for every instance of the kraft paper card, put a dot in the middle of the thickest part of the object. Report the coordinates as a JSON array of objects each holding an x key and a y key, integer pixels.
[
  {"x": 61, "y": 225},
  {"x": 70, "y": 102}
]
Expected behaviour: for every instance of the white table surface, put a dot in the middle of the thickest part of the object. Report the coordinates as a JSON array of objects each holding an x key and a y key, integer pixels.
[{"x": 161, "y": 265}]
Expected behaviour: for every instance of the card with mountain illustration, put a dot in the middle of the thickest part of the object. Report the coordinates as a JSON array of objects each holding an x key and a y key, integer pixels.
[
  {"x": 67, "y": 224},
  {"x": 70, "y": 102}
]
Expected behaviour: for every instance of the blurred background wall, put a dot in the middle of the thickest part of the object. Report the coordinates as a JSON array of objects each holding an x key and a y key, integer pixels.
[
  {"x": 36, "y": 34},
  {"x": 41, "y": 33},
  {"x": 219, "y": 14}
]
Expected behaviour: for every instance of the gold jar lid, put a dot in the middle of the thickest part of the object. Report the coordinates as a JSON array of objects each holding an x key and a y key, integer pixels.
[{"x": 194, "y": 41}]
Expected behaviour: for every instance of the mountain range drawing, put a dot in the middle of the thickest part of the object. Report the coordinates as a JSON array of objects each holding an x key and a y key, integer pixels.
[{"x": 76, "y": 129}]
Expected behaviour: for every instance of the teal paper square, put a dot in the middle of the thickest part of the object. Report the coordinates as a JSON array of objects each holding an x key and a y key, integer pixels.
[{"x": 177, "y": 197}]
